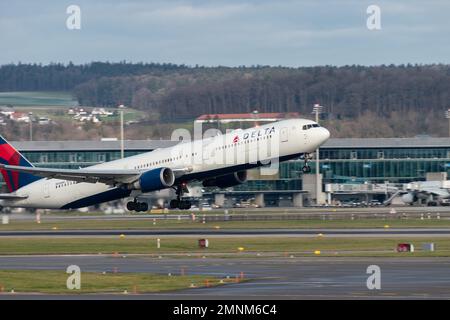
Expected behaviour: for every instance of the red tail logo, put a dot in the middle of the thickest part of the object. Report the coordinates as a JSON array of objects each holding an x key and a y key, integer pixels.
[{"x": 11, "y": 157}]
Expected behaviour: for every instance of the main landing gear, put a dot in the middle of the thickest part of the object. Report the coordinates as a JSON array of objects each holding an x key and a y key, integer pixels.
[
  {"x": 306, "y": 168},
  {"x": 178, "y": 203},
  {"x": 137, "y": 206}
]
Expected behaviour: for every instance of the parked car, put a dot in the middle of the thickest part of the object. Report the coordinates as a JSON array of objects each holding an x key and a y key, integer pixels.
[{"x": 374, "y": 203}]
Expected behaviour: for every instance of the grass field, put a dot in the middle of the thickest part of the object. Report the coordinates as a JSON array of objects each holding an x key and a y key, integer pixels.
[
  {"x": 37, "y": 98},
  {"x": 59, "y": 113},
  {"x": 54, "y": 105},
  {"x": 361, "y": 247},
  {"x": 129, "y": 224},
  {"x": 46, "y": 281}
]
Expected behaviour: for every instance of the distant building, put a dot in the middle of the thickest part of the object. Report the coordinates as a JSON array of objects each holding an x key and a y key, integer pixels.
[
  {"x": 101, "y": 112},
  {"x": 20, "y": 117},
  {"x": 44, "y": 121},
  {"x": 360, "y": 161},
  {"x": 246, "y": 117},
  {"x": 7, "y": 111}
]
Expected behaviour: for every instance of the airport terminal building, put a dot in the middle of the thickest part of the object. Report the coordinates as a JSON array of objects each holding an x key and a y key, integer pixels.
[{"x": 342, "y": 161}]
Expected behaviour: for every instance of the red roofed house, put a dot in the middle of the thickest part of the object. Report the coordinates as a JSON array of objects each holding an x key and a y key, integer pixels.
[{"x": 246, "y": 117}]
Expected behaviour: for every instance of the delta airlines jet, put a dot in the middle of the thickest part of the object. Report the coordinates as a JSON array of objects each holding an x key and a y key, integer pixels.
[{"x": 220, "y": 161}]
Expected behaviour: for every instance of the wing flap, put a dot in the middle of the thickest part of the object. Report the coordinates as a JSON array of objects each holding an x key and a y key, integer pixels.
[{"x": 436, "y": 191}]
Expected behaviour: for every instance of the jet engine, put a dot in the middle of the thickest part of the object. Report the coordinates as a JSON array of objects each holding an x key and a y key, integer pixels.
[
  {"x": 409, "y": 198},
  {"x": 155, "y": 179},
  {"x": 226, "y": 181}
]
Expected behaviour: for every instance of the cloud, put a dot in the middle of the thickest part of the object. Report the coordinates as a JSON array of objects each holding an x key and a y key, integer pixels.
[
  {"x": 193, "y": 13},
  {"x": 227, "y": 32}
]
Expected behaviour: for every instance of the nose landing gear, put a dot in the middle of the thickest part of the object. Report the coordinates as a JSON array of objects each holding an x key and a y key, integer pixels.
[
  {"x": 306, "y": 168},
  {"x": 178, "y": 203}
]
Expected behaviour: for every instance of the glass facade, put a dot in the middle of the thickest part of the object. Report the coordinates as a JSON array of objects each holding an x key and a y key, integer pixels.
[
  {"x": 359, "y": 165},
  {"x": 338, "y": 164}
]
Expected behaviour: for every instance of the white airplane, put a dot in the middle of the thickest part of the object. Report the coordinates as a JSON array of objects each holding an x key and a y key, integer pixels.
[
  {"x": 431, "y": 193},
  {"x": 173, "y": 167}
]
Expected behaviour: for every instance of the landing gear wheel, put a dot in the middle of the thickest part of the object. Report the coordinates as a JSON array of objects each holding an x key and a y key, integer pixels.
[
  {"x": 174, "y": 204},
  {"x": 185, "y": 205},
  {"x": 137, "y": 206},
  {"x": 143, "y": 206},
  {"x": 131, "y": 205},
  {"x": 306, "y": 169},
  {"x": 178, "y": 203}
]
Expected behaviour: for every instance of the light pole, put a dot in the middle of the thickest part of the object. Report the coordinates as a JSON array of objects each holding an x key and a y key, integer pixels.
[
  {"x": 30, "y": 118},
  {"x": 317, "y": 109},
  {"x": 122, "y": 144},
  {"x": 447, "y": 115}
]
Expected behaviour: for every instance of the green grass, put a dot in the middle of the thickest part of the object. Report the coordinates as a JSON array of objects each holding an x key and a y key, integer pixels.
[
  {"x": 46, "y": 281},
  {"x": 59, "y": 113},
  {"x": 129, "y": 224},
  {"x": 37, "y": 98},
  {"x": 184, "y": 246},
  {"x": 54, "y": 105}
]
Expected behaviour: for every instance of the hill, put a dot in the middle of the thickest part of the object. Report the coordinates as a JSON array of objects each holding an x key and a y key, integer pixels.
[{"x": 360, "y": 101}]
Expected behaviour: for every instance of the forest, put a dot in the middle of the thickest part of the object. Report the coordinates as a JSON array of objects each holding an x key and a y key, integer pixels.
[{"x": 376, "y": 101}]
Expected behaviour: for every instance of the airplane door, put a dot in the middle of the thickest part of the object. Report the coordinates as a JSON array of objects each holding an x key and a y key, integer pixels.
[
  {"x": 206, "y": 151},
  {"x": 252, "y": 151},
  {"x": 284, "y": 134},
  {"x": 46, "y": 189}
]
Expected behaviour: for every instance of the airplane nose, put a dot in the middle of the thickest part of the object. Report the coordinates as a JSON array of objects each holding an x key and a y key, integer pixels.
[{"x": 325, "y": 134}]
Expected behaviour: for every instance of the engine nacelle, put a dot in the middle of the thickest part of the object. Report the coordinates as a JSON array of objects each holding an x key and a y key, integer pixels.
[
  {"x": 409, "y": 198},
  {"x": 226, "y": 181},
  {"x": 155, "y": 179}
]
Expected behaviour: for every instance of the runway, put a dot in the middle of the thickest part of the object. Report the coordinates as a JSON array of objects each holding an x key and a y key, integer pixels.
[
  {"x": 416, "y": 232},
  {"x": 269, "y": 278},
  {"x": 240, "y": 214}
]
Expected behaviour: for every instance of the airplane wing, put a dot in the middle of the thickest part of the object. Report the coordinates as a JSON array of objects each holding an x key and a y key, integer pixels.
[
  {"x": 110, "y": 177},
  {"x": 178, "y": 172},
  {"x": 11, "y": 196},
  {"x": 436, "y": 191}
]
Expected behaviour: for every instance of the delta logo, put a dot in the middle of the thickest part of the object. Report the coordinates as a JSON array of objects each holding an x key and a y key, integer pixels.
[{"x": 259, "y": 133}]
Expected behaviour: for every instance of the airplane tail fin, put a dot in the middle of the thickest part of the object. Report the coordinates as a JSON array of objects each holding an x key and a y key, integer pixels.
[{"x": 9, "y": 155}]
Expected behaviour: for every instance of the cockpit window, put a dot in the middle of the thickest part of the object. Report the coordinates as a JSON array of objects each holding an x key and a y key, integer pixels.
[{"x": 309, "y": 126}]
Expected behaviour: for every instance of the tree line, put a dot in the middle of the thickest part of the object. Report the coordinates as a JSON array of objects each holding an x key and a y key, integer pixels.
[
  {"x": 172, "y": 92},
  {"x": 65, "y": 77},
  {"x": 346, "y": 92}
]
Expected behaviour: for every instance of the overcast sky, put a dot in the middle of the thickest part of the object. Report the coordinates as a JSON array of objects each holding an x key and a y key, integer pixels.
[{"x": 226, "y": 32}]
